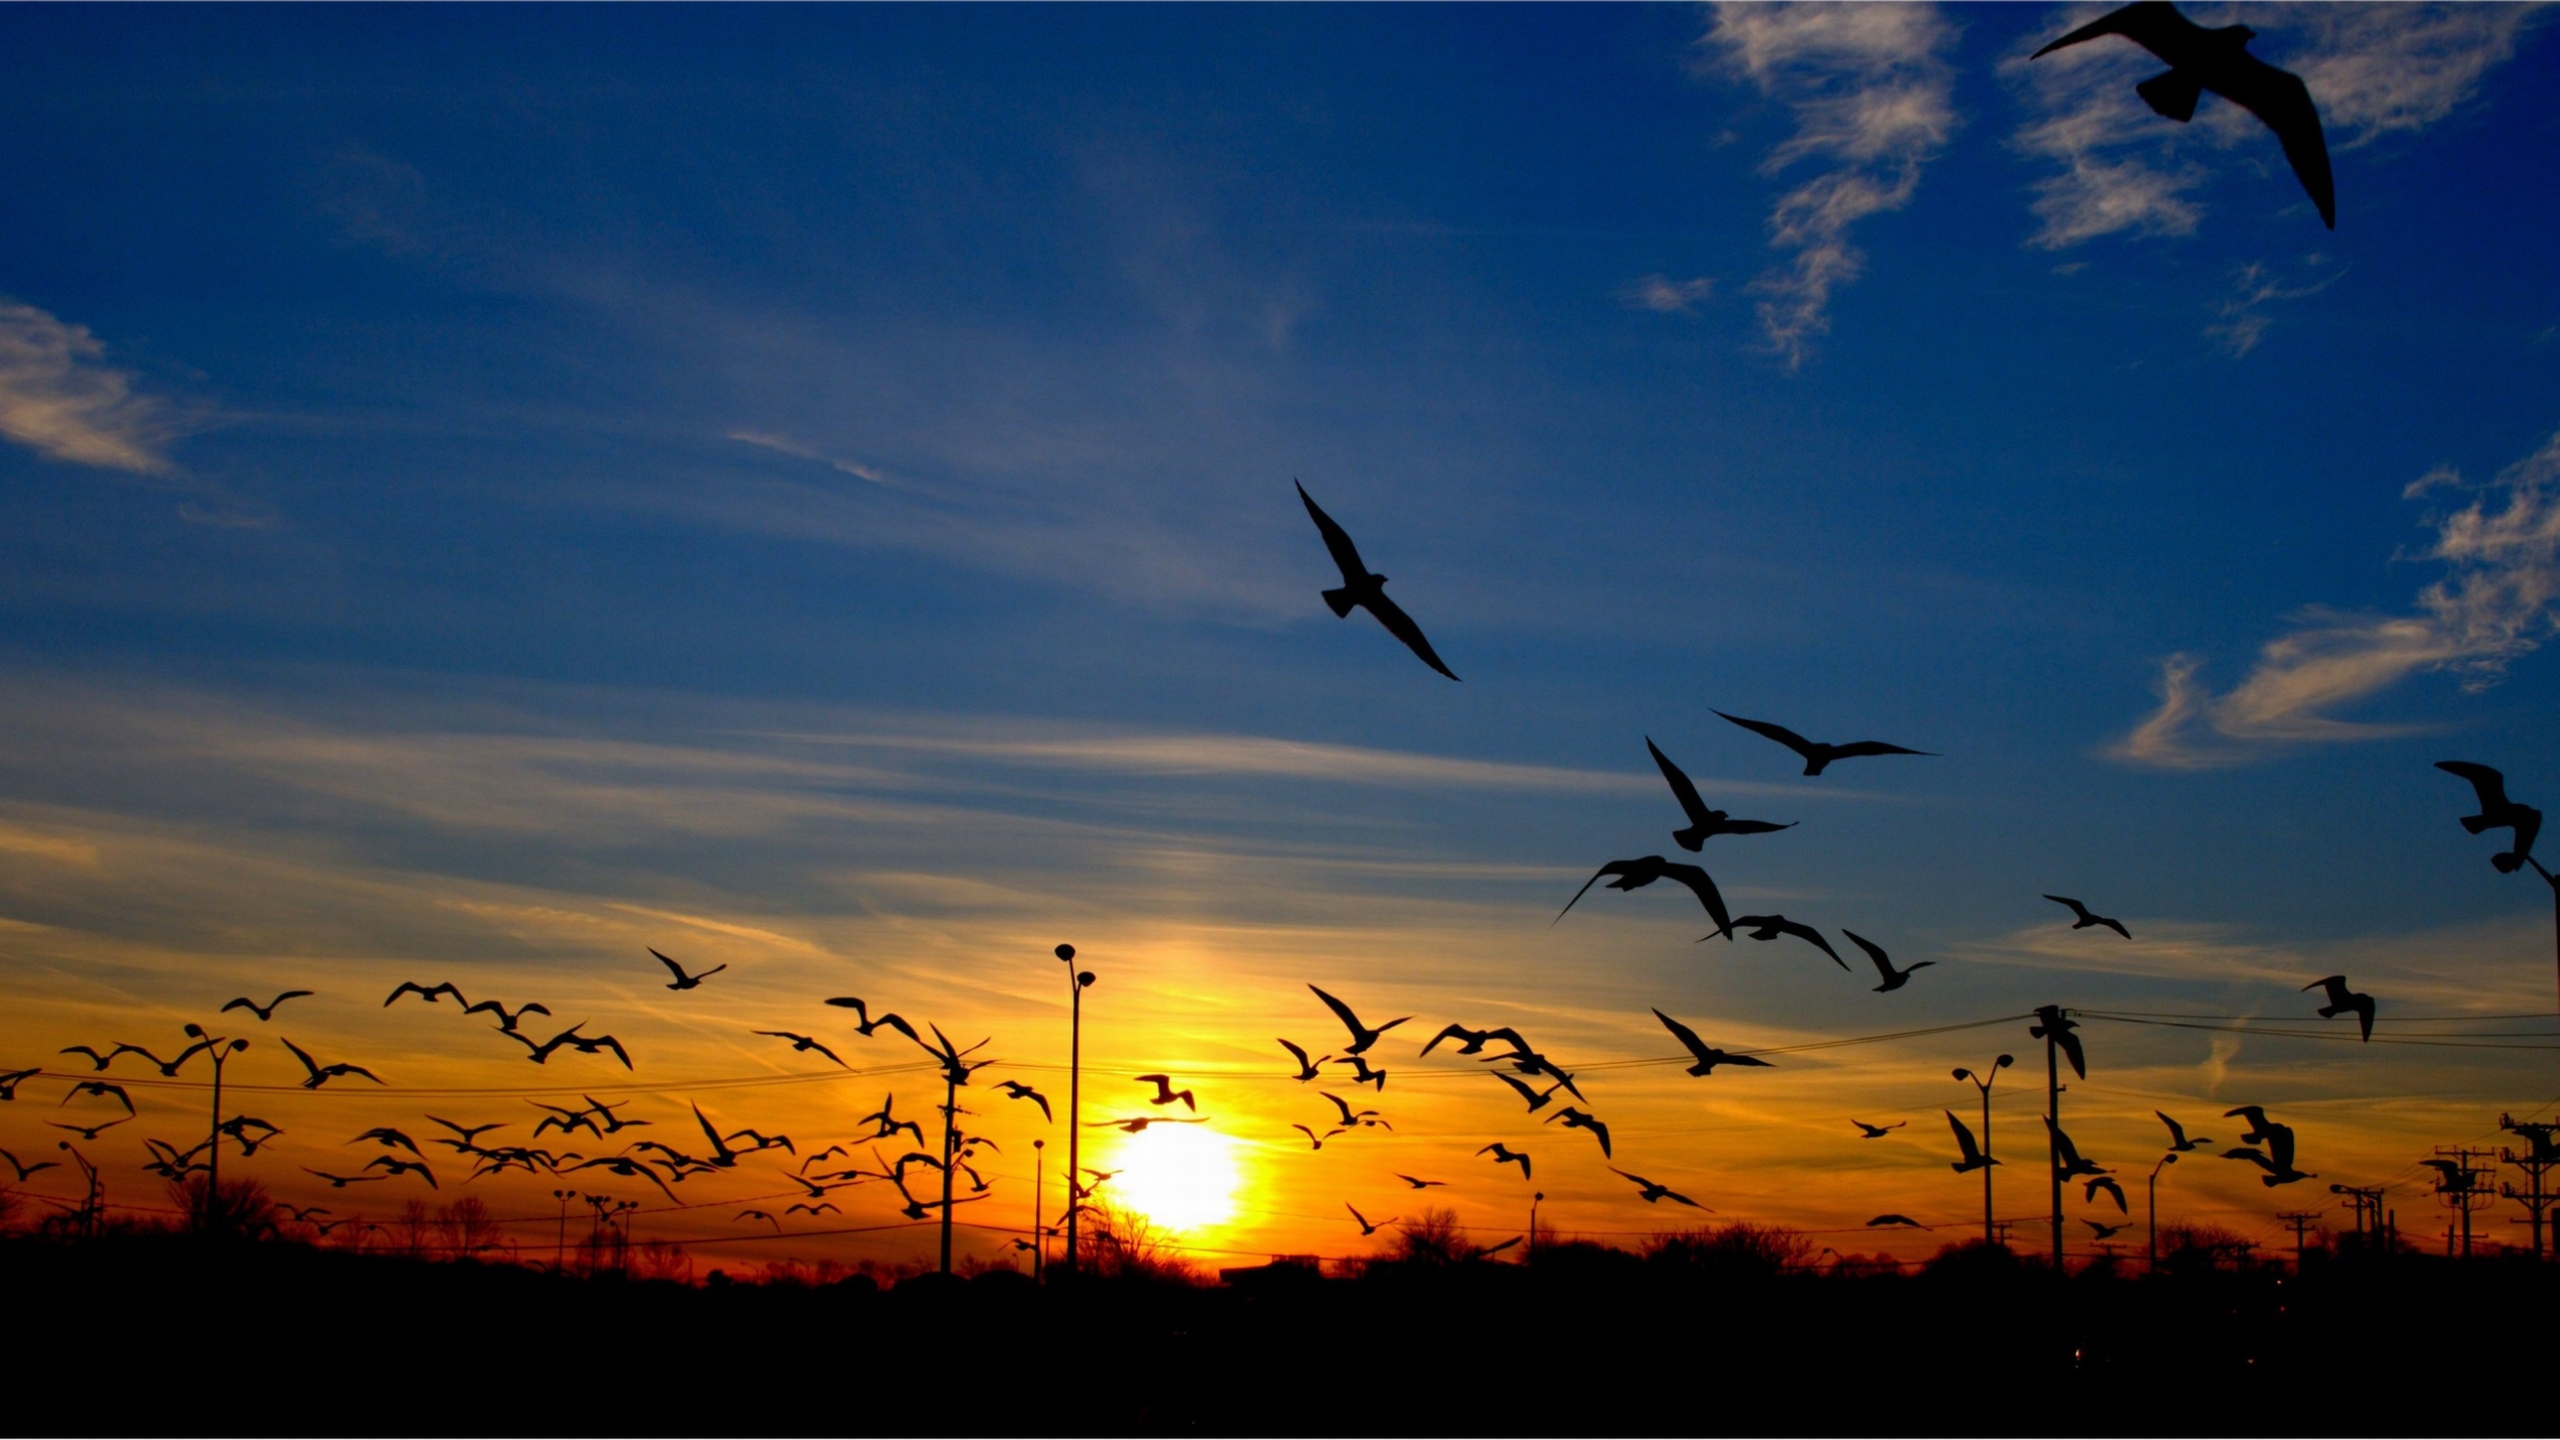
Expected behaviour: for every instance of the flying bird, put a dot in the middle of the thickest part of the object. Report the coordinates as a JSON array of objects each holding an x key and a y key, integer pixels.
[
  {"x": 2178, "y": 1140},
  {"x": 1314, "y": 1140},
  {"x": 888, "y": 1123},
  {"x": 1504, "y": 1155},
  {"x": 805, "y": 1042},
  {"x": 612, "y": 1122},
  {"x": 628, "y": 1169},
  {"x": 323, "y": 1074},
  {"x": 1818, "y": 755},
  {"x": 798, "y": 1207},
  {"x": 1704, "y": 824},
  {"x": 1165, "y": 1093},
  {"x": 1306, "y": 1068},
  {"x": 1366, "y": 1228},
  {"x": 264, "y": 1012},
  {"x": 2105, "y": 1232},
  {"x": 470, "y": 1133},
  {"x": 428, "y": 993},
  {"x": 1770, "y": 927},
  {"x": 388, "y": 1137},
  {"x": 1893, "y": 979},
  {"x": 1360, "y": 587},
  {"x": 100, "y": 1088},
  {"x": 563, "y": 1120},
  {"x": 1361, "y": 1074},
  {"x": 26, "y": 1170},
  {"x": 1016, "y": 1090},
  {"x": 507, "y": 1021},
  {"x": 1137, "y": 1124},
  {"x": 91, "y": 1132},
  {"x": 2277, "y": 1160},
  {"x": 1420, "y": 1184},
  {"x": 2260, "y": 1127},
  {"x": 397, "y": 1166},
  {"x": 11, "y": 1080},
  {"x": 2068, "y": 1163},
  {"x": 1349, "y": 1116},
  {"x": 2051, "y": 1024},
  {"x": 2452, "y": 1179},
  {"x": 1537, "y": 1099},
  {"x": 2089, "y": 1192},
  {"x": 866, "y": 1022},
  {"x": 759, "y": 1215},
  {"x": 2087, "y": 919},
  {"x": 168, "y": 1068},
  {"x": 1644, "y": 870},
  {"x": 1708, "y": 1056},
  {"x": 1654, "y": 1194},
  {"x": 1472, "y": 1042},
  {"x": 1877, "y": 1132},
  {"x": 2497, "y": 812},
  {"x": 2218, "y": 60},
  {"x": 98, "y": 1061},
  {"x": 1362, "y": 1036},
  {"x": 682, "y": 980},
  {"x": 1896, "y": 1220},
  {"x": 341, "y": 1182},
  {"x": 1973, "y": 1159},
  {"x": 597, "y": 1044},
  {"x": 1577, "y": 1119},
  {"x": 2342, "y": 1000}
]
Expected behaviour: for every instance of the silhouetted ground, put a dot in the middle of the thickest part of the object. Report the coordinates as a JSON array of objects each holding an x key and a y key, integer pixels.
[{"x": 163, "y": 1333}]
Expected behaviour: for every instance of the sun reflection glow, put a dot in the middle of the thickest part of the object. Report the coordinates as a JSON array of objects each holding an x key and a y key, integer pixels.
[{"x": 1182, "y": 1177}]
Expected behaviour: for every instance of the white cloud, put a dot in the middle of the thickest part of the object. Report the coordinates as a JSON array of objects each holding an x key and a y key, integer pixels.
[
  {"x": 2243, "y": 317},
  {"x": 58, "y": 396},
  {"x": 2374, "y": 70},
  {"x": 798, "y": 451},
  {"x": 1872, "y": 97},
  {"x": 2498, "y": 600},
  {"x": 1665, "y": 295}
]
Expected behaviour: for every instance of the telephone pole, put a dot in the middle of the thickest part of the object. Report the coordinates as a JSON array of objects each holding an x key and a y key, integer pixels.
[
  {"x": 2536, "y": 1197},
  {"x": 2459, "y": 1184},
  {"x": 1039, "y": 1184},
  {"x": 2055, "y": 1032},
  {"x": 2300, "y": 1220},
  {"x": 950, "y": 1113},
  {"x": 2367, "y": 1202}
]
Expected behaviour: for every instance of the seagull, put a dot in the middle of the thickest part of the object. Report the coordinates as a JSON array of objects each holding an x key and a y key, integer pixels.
[
  {"x": 1877, "y": 1132},
  {"x": 888, "y": 1123},
  {"x": 90, "y": 1132},
  {"x": 1704, "y": 824},
  {"x": 2497, "y": 812},
  {"x": 726, "y": 1158},
  {"x": 1165, "y": 1093},
  {"x": 2342, "y": 999},
  {"x": 10, "y": 1081},
  {"x": 26, "y": 1170},
  {"x": 1016, "y": 1090},
  {"x": 540, "y": 1054},
  {"x": 1420, "y": 1184},
  {"x": 2278, "y": 1159},
  {"x": 388, "y": 1137},
  {"x": 470, "y": 1133},
  {"x": 1137, "y": 1124},
  {"x": 2178, "y": 1140},
  {"x": 264, "y": 1012},
  {"x": 1367, "y": 1229},
  {"x": 1893, "y": 979},
  {"x": 2260, "y": 1127},
  {"x": 1361, "y": 1074},
  {"x": 1306, "y": 1067},
  {"x": 168, "y": 1068},
  {"x": 564, "y": 1120},
  {"x": 763, "y": 1141},
  {"x": 629, "y": 1170},
  {"x": 1315, "y": 1140},
  {"x": 1362, "y": 1036},
  {"x": 2089, "y": 1192},
  {"x": 759, "y": 1215},
  {"x": 1576, "y": 1119},
  {"x": 2051, "y": 1024},
  {"x": 1504, "y": 1155},
  {"x": 1896, "y": 1220},
  {"x": 1472, "y": 1041},
  {"x": 2087, "y": 919},
  {"x": 805, "y": 1042},
  {"x": 341, "y": 1182},
  {"x": 102, "y": 1089},
  {"x": 2069, "y": 1163},
  {"x": 1644, "y": 870},
  {"x": 868, "y": 1022},
  {"x": 506, "y": 1021},
  {"x": 1708, "y": 1056},
  {"x": 612, "y": 1122},
  {"x": 427, "y": 993},
  {"x": 682, "y": 980},
  {"x": 323, "y": 1074},
  {"x": 397, "y": 1166},
  {"x": 2105, "y": 1232},
  {"x": 1537, "y": 1099},
  {"x": 1653, "y": 1194},
  {"x": 1360, "y": 587},
  {"x": 1531, "y": 1063},
  {"x": 2454, "y": 1179},
  {"x": 593, "y": 1044},
  {"x": 2219, "y": 60},
  {"x": 1973, "y": 1159},
  {"x": 1770, "y": 927},
  {"x": 1349, "y": 1117},
  {"x": 98, "y": 1061},
  {"x": 802, "y": 1206},
  {"x": 1816, "y": 754}
]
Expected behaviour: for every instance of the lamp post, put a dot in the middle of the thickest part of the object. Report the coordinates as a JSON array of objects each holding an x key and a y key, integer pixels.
[
  {"x": 1534, "y": 1197},
  {"x": 1039, "y": 1183},
  {"x": 560, "y": 1239},
  {"x": 1078, "y": 982},
  {"x": 221, "y": 1049},
  {"x": 1982, "y": 1083},
  {"x": 2170, "y": 1158}
]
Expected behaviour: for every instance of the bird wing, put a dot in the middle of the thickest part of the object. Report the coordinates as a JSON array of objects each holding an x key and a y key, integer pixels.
[
  {"x": 1779, "y": 733},
  {"x": 1614, "y": 867},
  {"x": 2076, "y": 907},
  {"x": 1703, "y": 885},
  {"x": 2280, "y": 1146},
  {"x": 1339, "y": 1104},
  {"x": 1964, "y": 1137},
  {"x": 1341, "y": 1012},
  {"x": 304, "y": 1056},
  {"x": 823, "y": 1050},
  {"x": 1301, "y": 1054},
  {"x": 2279, "y": 98},
  {"x": 1337, "y": 541},
  {"x": 899, "y": 1023},
  {"x": 1526, "y": 1093},
  {"x": 1875, "y": 952},
  {"x": 2490, "y": 785},
  {"x": 1401, "y": 626},
  {"x": 672, "y": 966},
  {"x": 1681, "y": 1033},
  {"x": 243, "y": 1003},
  {"x": 1807, "y": 933},
  {"x": 2155, "y": 25},
  {"x": 2177, "y": 1132},
  {"x": 1856, "y": 748},
  {"x": 1687, "y": 794}
]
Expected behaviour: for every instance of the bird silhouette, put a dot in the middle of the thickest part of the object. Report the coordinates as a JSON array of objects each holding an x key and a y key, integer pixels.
[
  {"x": 540, "y": 1052},
  {"x": 1360, "y": 587},
  {"x": 2178, "y": 1140},
  {"x": 1361, "y": 1074},
  {"x": 100, "y": 1088},
  {"x": 888, "y": 1123},
  {"x": 1877, "y": 1132},
  {"x": 2088, "y": 919},
  {"x": 1893, "y": 979},
  {"x": 2218, "y": 60},
  {"x": 761, "y": 1141},
  {"x": 1016, "y": 1090},
  {"x": 428, "y": 993},
  {"x": 1471, "y": 1041},
  {"x": 563, "y": 1120},
  {"x": 1420, "y": 1184},
  {"x": 322, "y": 1074},
  {"x": 1504, "y": 1155},
  {"x": 239, "y": 1126},
  {"x": 628, "y": 1169},
  {"x": 387, "y": 1137},
  {"x": 2497, "y": 812},
  {"x": 394, "y": 1165},
  {"x": 1366, "y": 1228},
  {"x": 724, "y": 1157},
  {"x": 264, "y": 1012},
  {"x": 2452, "y": 1178},
  {"x": 1165, "y": 1093},
  {"x": 506, "y": 1020},
  {"x": 2277, "y": 1160},
  {"x": 2342, "y": 1000},
  {"x": 470, "y": 1133},
  {"x": 1137, "y": 1124},
  {"x": 1350, "y": 1117},
  {"x": 2105, "y": 1232},
  {"x": 1533, "y": 1064},
  {"x": 2051, "y": 1024},
  {"x": 2067, "y": 1161},
  {"x": 612, "y": 1122},
  {"x": 302, "y": 1213},
  {"x": 1707, "y": 1056},
  {"x": 684, "y": 981},
  {"x": 2260, "y": 1127},
  {"x": 97, "y": 1061},
  {"x": 91, "y": 1132},
  {"x": 804, "y": 1042},
  {"x": 1644, "y": 870},
  {"x": 1704, "y": 824},
  {"x": 341, "y": 1182},
  {"x": 1537, "y": 1099},
  {"x": 866, "y": 1022},
  {"x": 1306, "y": 1068},
  {"x": 1314, "y": 1140},
  {"x": 168, "y": 1068},
  {"x": 597, "y": 1044},
  {"x": 1577, "y": 1119},
  {"x": 800, "y": 1207},
  {"x": 26, "y": 1170},
  {"x": 1973, "y": 1159},
  {"x": 1770, "y": 927},
  {"x": 759, "y": 1215},
  {"x": 1896, "y": 1220},
  {"x": 1817, "y": 755},
  {"x": 2089, "y": 1192},
  {"x": 11, "y": 1080},
  {"x": 1654, "y": 1194},
  {"x": 1362, "y": 1036}
]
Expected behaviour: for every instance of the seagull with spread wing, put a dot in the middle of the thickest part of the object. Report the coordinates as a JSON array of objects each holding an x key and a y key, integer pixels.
[
  {"x": 1361, "y": 588},
  {"x": 801, "y": 1042},
  {"x": 683, "y": 981},
  {"x": 322, "y": 1074},
  {"x": 1362, "y": 1036},
  {"x": 866, "y": 1022},
  {"x": 1770, "y": 927},
  {"x": 267, "y": 1011},
  {"x": 1652, "y": 1193},
  {"x": 1973, "y": 1159},
  {"x": 1016, "y": 1090},
  {"x": 1817, "y": 754},
  {"x": 1707, "y": 1056},
  {"x": 1704, "y": 823},
  {"x": 2342, "y": 1000},
  {"x": 1893, "y": 979},
  {"x": 2497, "y": 812},
  {"x": 2087, "y": 917},
  {"x": 429, "y": 993},
  {"x": 1504, "y": 1155},
  {"x": 1644, "y": 870}
]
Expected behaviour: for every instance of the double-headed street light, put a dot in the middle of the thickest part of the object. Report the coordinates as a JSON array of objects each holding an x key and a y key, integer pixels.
[
  {"x": 1078, "y": 982},
  {"x": 1982, "y": 1083}
]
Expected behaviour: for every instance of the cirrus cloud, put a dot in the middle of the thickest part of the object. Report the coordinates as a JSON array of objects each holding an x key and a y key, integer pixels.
[{"x": 60, "y": 398}]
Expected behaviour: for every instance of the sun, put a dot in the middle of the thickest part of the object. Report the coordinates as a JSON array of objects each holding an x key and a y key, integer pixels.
[{"x": 1182, "y": 1177}]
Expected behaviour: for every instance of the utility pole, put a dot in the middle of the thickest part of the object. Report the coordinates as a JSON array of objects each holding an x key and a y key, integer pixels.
[
  {"x": 1078, "y": 982},
  {"x": 950, "y": 1110},
  {"x": 2300, "y": 1220},
  {"x": 2367, "y": 1200},
  {"x": 2167, "y": 1158},
  {"x": 2458, "y": 1184},
  {"x": 1982, "y": 1082},
  {"x": 93, "y": 1204},
  {"x": 1534, "y": 1198},
  {"x": 2055, "y": 1032},
  {"x": 560, "y": 1239},
  {"x": 1039, "y": 1183},
  {"x": 221, "y": 1048},
  {"x": 2536, "y": 1162}
]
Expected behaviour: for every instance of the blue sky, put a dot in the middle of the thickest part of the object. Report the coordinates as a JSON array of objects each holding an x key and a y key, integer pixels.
[{"x": 831, "y": 468}]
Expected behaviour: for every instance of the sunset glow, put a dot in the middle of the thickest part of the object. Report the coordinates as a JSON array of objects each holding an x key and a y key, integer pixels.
[{"x": 1184, "y": 1178}]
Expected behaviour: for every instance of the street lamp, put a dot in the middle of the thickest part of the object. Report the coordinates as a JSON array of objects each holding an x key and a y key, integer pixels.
[
  {"x": 2171, "y": 1158},
  {"x": 560, "y": 1240},
  {"x": 1039, "y": 1184},
  {"x": 1078, "y": 982},
  {"x": 1982, "y": 1083},
  {"x": 1534, "y": 1197},
  {"x": 221, "y": 1049}
]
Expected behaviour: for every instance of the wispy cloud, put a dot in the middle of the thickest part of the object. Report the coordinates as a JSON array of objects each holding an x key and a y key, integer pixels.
[
  {"x": 1873, "y": 100},
  {"x": 60, "y": 397},
  {"x": 2241, "y": 319},
  {"x": 799, "y": 451},
  {"x": 2496, "y": 602},
  {"x": 1664, "y": 295},
  {"x": 2374, "y": 70}
]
